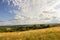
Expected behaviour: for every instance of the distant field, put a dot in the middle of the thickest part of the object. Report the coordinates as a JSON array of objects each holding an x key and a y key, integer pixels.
[{"x": 41, "y": 34}]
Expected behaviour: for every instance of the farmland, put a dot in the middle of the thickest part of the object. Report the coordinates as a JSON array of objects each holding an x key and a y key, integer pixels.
[{"x": 52, "y": 33}]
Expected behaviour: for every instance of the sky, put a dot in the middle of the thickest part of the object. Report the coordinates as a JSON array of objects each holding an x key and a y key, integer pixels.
[{"x": 20, "y": 12}]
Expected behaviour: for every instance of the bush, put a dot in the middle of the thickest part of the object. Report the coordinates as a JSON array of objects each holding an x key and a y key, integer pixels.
[{"x": 23, "y": 28}]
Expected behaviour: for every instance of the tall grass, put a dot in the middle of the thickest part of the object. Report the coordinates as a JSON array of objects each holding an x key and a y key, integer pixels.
[{"x": 41, "y": 34}]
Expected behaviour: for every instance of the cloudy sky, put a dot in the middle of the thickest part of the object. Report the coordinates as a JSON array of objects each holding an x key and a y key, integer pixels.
[{"x": 19, "y": 12}]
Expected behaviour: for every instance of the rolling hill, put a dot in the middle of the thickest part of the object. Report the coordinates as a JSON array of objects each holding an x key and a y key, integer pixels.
[{"x": 39, "y": 34}]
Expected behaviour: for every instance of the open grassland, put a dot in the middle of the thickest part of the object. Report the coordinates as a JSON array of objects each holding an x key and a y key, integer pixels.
[{"x": 41, "y": 34}]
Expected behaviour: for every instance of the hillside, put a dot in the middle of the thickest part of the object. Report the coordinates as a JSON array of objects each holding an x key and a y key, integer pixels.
[{"x": 40, "y": 34}]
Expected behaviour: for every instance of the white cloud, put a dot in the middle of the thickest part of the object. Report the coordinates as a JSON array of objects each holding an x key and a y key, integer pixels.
[
  {"x": 29, "y": 8},
  {"x": 18, "y": 17},
  {"x": 33, "y": 11}
]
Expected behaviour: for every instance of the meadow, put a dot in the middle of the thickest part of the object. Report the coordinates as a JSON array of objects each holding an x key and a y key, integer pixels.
[{"x": 52, "y": 33}]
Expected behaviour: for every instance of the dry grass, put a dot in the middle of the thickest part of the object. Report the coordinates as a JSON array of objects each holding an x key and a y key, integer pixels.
[{"x": 41, "y": 34}]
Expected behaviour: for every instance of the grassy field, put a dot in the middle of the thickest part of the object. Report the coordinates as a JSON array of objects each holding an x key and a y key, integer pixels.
[{"x": 41, "y": 34}]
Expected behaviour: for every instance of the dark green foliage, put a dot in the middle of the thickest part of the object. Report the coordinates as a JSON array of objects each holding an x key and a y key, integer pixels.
[{"x": 23, "y": 28}]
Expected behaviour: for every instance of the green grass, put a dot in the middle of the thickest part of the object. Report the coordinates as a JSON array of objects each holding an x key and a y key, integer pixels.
[{"x": 41, "y": 34}]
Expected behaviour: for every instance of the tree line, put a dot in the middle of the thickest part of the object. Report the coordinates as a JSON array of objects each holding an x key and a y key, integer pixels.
[{"x": 23, "y": 28}]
